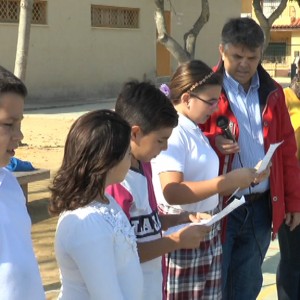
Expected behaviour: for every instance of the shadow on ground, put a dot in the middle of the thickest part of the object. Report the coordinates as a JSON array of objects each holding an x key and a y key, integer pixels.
[
  {"x": 38, "y": 210},
  {"x": 270, "y": 264}
]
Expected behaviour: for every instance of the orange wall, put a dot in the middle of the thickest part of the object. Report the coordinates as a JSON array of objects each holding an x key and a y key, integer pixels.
[{"x": 246, "y": 6}]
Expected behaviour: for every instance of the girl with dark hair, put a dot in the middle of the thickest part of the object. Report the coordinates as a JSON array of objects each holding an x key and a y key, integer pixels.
[
  {"x": 186, "y": 178},
  {"x": 94, "y": 244}
]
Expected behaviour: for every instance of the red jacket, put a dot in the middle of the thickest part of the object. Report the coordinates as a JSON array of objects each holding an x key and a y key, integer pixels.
[{"x": 285, "y": 170}]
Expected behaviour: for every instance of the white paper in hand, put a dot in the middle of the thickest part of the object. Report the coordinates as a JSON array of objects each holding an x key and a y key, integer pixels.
[
  {"x": 266, "y": 160},
  {"x": 227, "y": 210},
  {"x": 215, "y": 218}
]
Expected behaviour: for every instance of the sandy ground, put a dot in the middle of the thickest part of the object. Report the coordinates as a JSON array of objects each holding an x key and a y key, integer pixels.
[{"x": 44, "y": 139}]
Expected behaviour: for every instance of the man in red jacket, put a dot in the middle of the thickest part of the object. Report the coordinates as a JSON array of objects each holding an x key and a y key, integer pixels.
[{"x": 255, "y": 107}]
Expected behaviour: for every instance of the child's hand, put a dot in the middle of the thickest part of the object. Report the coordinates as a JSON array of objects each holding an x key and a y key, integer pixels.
[
  {"x": 190, "y": 237},
  {"x": 242, "y": 177},
  {"x": 197, "y": 217},
  {"x": 263, "y": 175}
]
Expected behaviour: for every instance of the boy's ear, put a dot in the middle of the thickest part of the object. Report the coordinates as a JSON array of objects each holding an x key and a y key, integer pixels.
[{"x": 136, "y": 132}]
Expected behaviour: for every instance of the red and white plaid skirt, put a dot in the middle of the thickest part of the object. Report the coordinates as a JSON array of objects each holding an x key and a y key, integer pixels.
[{"x": 192, "y": 274}]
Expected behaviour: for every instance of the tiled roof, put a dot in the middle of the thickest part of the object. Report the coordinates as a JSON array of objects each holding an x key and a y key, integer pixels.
[{"x": 295, "y": 24}]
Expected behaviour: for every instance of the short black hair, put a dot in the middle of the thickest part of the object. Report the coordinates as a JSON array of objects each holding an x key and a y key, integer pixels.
[
  {"x": 243, "y": 31},
  {"x": 144, "y": 105},
  {"x": 9, "y": 83}
]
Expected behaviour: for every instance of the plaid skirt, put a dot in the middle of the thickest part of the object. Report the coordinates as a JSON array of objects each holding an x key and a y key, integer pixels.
[{"x": 192, "y": 274}]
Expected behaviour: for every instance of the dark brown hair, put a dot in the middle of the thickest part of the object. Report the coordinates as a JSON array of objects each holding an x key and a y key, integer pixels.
[
  {"x": 9, "y": 83},
  {"x": 190, "y": 74},
  {"x": 96, "y": 142}
]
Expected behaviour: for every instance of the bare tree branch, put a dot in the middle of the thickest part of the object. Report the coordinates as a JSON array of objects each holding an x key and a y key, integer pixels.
[
  {"x": 186, "y": 52},
  {"x": 266, "y": 23},
  {"x": 191, "y": 36},
  {"x": 164, "y": 38}
]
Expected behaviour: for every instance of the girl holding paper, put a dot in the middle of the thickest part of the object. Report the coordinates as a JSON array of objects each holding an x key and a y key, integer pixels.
[{"x": 185, "y": 178}]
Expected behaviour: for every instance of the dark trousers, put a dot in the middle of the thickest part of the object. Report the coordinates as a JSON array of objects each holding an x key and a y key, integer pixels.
[
  {"x": 248, "y": 236},
  {"x": 288, "y": 271}
]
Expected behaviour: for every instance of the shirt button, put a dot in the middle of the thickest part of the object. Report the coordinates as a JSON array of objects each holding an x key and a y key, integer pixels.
[
  {"x": 275, "y": 198},
  {"x": 266, "y": 124}
]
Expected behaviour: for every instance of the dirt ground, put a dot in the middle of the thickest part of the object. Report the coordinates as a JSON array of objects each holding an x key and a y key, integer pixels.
[
  {"x": 43, "y": 141},
  {"x": 44, "y": 138}
]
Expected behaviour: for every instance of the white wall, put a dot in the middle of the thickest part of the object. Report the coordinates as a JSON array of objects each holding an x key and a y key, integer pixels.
[{"x": 69, "y": 60}]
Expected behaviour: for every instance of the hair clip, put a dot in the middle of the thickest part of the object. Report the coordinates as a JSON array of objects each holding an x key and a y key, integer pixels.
[
  {"x": 165, "y": 89},
  {"x": 200, "y": 82}
]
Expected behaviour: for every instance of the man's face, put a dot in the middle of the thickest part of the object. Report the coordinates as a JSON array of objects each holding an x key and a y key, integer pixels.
[
  {"x": 240, "y": 62},
  {"x": 11, "y": 114}
]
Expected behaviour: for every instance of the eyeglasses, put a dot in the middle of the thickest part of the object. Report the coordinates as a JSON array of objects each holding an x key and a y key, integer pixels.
[{"x": 213, "y": 103}]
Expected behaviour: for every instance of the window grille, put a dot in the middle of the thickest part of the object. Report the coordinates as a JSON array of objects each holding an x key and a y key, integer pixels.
[
  {"x": 10, "y": 10},
  {"x": 39, "y": 12},
  {"x": 114, "y": 17},
  {"x": 276, "y": 52},
  {"x": 269, "y": 6}
]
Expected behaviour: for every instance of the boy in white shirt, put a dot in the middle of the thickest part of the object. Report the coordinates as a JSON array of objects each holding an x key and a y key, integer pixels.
[
  {"x": 19, "y": 273},
  {"x": 152, "y": 118}
]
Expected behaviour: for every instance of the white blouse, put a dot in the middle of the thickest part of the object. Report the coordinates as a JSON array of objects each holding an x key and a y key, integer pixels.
[
  {"x": 189, "y": 153},
  {"x": 97, "y": 255}
]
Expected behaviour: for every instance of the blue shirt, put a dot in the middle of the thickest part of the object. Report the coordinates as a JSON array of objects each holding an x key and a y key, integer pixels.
[{"x": 246, "y": 108}]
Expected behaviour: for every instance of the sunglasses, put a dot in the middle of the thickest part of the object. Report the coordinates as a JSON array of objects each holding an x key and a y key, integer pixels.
[{"x": 213, "y": 103}]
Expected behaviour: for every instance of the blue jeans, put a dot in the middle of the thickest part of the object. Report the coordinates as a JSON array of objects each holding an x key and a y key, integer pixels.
[
  {"x": 248, "y": 236},
  {"x": 288, "y": 271}
]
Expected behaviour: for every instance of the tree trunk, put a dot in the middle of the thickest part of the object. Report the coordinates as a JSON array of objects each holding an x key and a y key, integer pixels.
[
  {"x": 191, "y": 36},
  {"x": 186, "y": 53},
  {"x": 164, "y": 38},
  {"x": 266, "y": 23},
  {"x": 23, "y": 38}
]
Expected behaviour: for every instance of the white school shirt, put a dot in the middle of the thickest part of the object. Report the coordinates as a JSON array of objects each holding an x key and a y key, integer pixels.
[
  {"x": 19, "y": 273},
  {"x": 136, "y": 197},
  {"x": 96, "y": 252},
  {"x": 190, "y": 153}
]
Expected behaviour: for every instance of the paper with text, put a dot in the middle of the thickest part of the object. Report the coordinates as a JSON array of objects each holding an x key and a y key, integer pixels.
[{"x": 215, "y": 218}]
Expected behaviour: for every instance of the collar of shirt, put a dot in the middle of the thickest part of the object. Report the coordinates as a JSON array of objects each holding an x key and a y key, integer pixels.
[
  {"x": 187, "y": 123},
  {"x": 234, "y": 86}
]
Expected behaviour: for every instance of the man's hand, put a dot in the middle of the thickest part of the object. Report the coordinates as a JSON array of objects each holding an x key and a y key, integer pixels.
[
  {"x": 292, "y": 219},
  {"x": 226, "y": 146}
]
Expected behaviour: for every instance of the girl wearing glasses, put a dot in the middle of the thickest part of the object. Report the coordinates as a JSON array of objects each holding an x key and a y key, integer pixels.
[{"x": 185, "y": 178}]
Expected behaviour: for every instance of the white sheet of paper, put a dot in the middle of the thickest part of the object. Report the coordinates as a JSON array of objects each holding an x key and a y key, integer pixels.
[
  {"x": 227, "y": 210},
  {"x": 266, "y": 160},
  {"x": 215, "y": 218}
]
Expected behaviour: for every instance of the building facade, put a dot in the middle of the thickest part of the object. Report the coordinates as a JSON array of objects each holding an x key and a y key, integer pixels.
[
  {"x": 284, "y": 46},
  {"x": 81, "y": 50}
]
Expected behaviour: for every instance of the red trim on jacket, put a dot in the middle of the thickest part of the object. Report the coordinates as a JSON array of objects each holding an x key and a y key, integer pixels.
[{"x": 285, "y": 170}]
